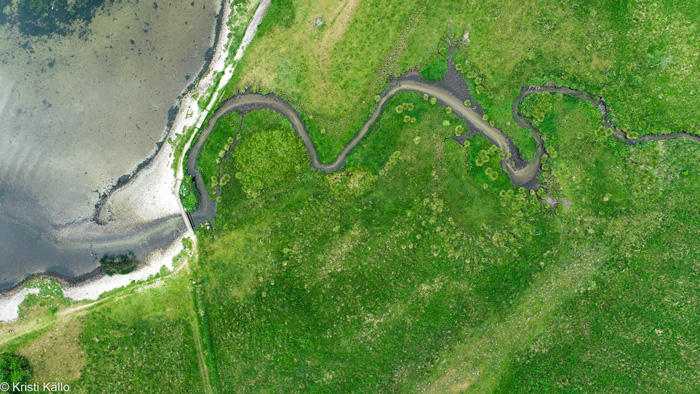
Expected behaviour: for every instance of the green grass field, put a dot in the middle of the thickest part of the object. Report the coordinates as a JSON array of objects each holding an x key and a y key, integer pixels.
[
  {"x": 142, "y": 343},
  {"x": 331, "y": 282},
  {"x": 608, "y": 48},
  {"x": 219, "y": 142},
  {"x": 419, "y": 267}
]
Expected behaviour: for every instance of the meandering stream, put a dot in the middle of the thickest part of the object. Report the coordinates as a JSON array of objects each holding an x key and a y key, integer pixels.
[{"x": 451, "y": 92}]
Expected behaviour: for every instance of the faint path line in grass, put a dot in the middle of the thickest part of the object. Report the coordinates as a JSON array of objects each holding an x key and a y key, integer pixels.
[
  {"x": 389, "y": 68},
  {"x": 336, "y": 30},
  {"x": 477, "y": 361},
  {"x": 21, "y": 330},
  {"x": 73, "y": 311},
  {"x": 197, "y": 331},
  {"x": 205, "y": 349},
  {"x": 203, "y": 370}
]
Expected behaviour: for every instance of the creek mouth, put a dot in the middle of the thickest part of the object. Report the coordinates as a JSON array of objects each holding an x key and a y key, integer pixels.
[{"x": 451, "y": 91}]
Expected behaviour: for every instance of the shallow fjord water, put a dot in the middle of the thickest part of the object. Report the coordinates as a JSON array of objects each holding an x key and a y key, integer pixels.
[{"x": 78, "y": 110}]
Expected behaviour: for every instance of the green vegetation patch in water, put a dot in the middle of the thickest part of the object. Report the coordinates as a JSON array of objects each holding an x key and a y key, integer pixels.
[{"x": 118, "y": 264}]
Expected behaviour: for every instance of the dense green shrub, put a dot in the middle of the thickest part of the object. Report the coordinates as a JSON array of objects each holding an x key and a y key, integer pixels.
[
  {"x": 118, "y": 264},
  {"x": 189, "y": 195},
  {"x": 14, "y": 369},
  {"x": 435, "y": 69},
  {"x": 265, "y": 158}
]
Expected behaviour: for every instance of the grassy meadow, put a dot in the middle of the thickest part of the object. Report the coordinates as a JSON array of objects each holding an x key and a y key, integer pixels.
[
  {"x": 139, "y": 339},
  {"x": 219, "y": 142},
  {"x": 337, "y": 282},
  {"x": 331, "y": 57},
  {"x": 418, "y": 267}
]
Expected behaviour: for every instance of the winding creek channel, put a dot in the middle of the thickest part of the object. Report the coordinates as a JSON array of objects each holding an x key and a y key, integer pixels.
[{"x": 451, "y": 91}]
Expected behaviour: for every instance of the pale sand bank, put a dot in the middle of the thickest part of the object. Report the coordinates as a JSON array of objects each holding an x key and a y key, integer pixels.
[{"x": 9, "y": 304}]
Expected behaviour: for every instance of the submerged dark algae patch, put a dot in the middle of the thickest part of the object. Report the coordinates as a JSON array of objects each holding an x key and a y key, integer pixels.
[{"x": 49, "y": 17}]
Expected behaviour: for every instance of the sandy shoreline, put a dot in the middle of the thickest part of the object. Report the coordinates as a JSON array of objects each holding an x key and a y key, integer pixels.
[
  {"x": 10, "y": 303},
  {"x": 153, "y": 193},
  {"x": 92, "y": 289}
]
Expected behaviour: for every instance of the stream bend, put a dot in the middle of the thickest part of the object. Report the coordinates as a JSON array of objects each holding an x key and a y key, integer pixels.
[{"x": 452, "y": 91}]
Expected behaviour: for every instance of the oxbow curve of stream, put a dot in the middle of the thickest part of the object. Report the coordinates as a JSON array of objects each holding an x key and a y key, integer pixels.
[{"x": 451, "y": 91}]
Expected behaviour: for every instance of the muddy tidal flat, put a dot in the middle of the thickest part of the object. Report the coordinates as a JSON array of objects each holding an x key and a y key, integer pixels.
[{"x": 82, "y": 103}]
